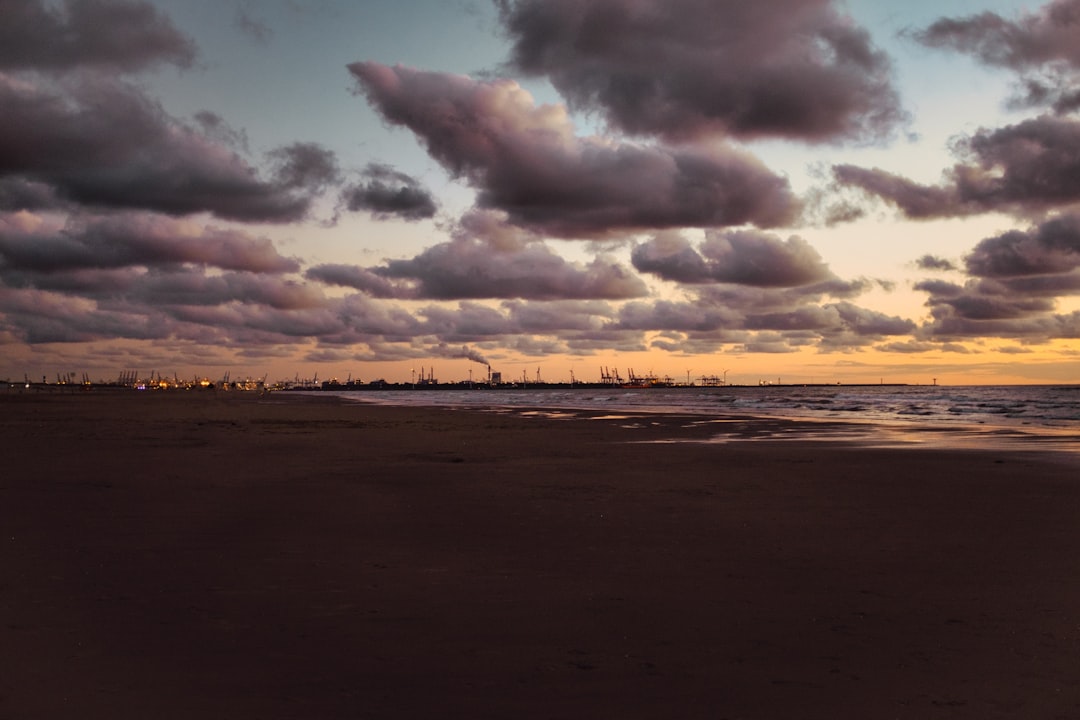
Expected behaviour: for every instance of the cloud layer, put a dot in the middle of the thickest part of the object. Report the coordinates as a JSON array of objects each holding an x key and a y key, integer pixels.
[
  {"x": 133, "y": 240},
  {"x": 469, "y": 268},
  {"x": 1026, "y": 168},
  {"x": 525, "y": 159},
  {"x": 680, "y": 69},
  {"x": 1016, "y": 278},
  {"x": 387, "y": 193},
  {"x": 111, "y": 35},
  {"x": 1042, "y": 47},
  {"x": 130, "y": 229},
  {"x": 102, "y": 143},
  {"x": 743, "y": 258}
]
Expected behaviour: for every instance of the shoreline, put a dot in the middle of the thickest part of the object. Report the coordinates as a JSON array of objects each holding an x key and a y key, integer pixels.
[
  {"x": 1061, "y": 444},
  {"x": 993, "y": 425},
  {"x": 230, "y": 555}
]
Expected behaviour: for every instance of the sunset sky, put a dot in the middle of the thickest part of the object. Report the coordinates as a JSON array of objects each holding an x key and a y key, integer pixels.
[{"x": 800, "y": 190}]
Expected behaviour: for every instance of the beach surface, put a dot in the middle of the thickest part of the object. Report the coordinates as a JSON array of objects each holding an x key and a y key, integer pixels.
[{"x": 233, "y": 555}]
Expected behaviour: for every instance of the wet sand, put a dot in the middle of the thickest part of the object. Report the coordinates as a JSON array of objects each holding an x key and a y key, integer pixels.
[{"x": 230, "y": 555}]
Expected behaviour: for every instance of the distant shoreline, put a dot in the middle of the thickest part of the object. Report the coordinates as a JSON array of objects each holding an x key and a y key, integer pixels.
[{"x": 426, "y": 387}]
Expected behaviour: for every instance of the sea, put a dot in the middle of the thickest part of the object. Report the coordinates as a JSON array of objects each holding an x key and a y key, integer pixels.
[{"x": 1020, "y": 416}]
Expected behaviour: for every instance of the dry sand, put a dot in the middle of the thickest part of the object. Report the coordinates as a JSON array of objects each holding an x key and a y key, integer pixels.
[{"x": 228, "y": 555}]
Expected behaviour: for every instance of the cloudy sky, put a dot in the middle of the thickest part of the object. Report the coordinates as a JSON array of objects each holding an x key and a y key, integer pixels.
[{"x": 797, "y": 189}]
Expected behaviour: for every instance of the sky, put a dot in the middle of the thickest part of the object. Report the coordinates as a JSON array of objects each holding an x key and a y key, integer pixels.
[{"x": 785, "y": 190}]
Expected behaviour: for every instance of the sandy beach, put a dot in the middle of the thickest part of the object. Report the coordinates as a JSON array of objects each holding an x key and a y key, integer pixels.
[{"x": 233, "y": 555}]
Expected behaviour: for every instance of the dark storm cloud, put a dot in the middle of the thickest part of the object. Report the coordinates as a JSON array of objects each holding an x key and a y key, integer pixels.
[
  {"x": 80, "y": 282},
  {"x": 932, "y": 262},
  {"x": 468, "y": 322},
  {"x": 842, "y": 212},
  {"x": 237, "y": 309},
  {"x": 103, "y": 143},
  {"x": 193, "y": 287},
  {"x": 1048, "y": 249},
  {"x": 950, "y": 324},
  {"x": 1016, "y": 279},
  {"x": 127, "y": 240},
  {"x": 681, "y": 69},
  {"x": 771, "y": 345},
  {"x": 1025, "y": 168},
  {"x": 387, "y": 193},
  {"x": 811, "y": 317},
  {"x": 1037, "y": 160},
  {"x": 670, "y": 255},
  {"x": 468, "y": 268},
  {"x": 1051, "y": 286},
  {"x": 304, "y": 166},
  {"x": 151, "y": 285},
  {"x": 682, "y": 316},
  {"x": 1042, "y": 47},
  {"x": 914, "y": 200},
  {"x": 840, "y": 325},
  {"x": 977, "y": 303},
  {"x": 533, "y": 346},
  {"x": 19, "y": 194},
  {"x": 493, "y": 227},
  {"x": 228, "y": 309},
  {"x": 525, "y": 159},
  {"x": 608, "y": 341},
  {"x": 940, "y": 288},
  {"x": 37, "y": 316},
  {"x": 756, "y": 300},
  {"x": 558, "y": 316},
  {"x": 839, "y": 288},
  {"x": 370, "y": 319},
  {"x": 1050, "y": 34},
  {"x": 114, "y": 35},
  {"x": 159, "y": 289},
  {"x": 260, "y": 324},
  {"x": 870, "y": 323},
  {"x": 473, "y": 269},
  {"x": 75, "y": 138},
  {"x": 780, "y": 318},
  {"x": 988, "y": 301},
  {"x": 738, "y": 257},
  {"x": 355, "y": 277}
]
